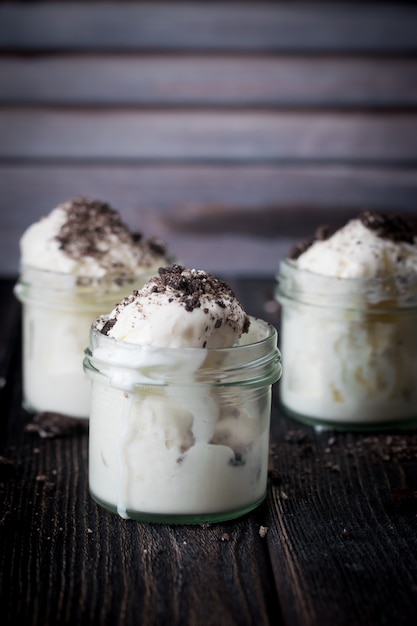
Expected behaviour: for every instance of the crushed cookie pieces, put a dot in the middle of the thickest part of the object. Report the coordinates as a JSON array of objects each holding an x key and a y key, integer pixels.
[
  {"x": 91, "y": 230},
  {"x": 263, "y": 531},
  {"x": 322, "y": 233},
  {"x": 393, "y": 226}
]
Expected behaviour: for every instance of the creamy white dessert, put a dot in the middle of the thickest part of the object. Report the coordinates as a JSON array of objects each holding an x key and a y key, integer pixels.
[
  {"x": 181, "y": 395},
  {"x": 76, "y": 262},
  {"x": 155, "y": 316},
  {"x": 348, "y": 320}
]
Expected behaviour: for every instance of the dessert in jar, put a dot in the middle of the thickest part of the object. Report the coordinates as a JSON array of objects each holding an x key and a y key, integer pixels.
[
  {"x": 76, "y": 263},
  {"x": 348, "y": 325},
  {"x": 181, "y": 398}
]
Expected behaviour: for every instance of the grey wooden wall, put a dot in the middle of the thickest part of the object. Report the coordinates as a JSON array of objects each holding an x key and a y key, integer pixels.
[{"x": 228, "y": 129}]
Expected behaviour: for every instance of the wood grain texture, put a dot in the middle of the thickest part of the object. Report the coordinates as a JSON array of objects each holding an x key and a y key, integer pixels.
[
  {"x": 193, "y": 192},
  {"x": 229, "y": 81},
  {"x": 185, "y": 26},
  {"x": 338, "y": 538},
  {"x": 207, "y": 136},
  {"x": 229, "y": 129},
  {"x": 238, "y": 218}
]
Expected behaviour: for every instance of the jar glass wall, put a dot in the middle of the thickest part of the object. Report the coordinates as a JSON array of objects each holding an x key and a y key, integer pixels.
[
  {"x": 349, "y": 348},
  {"x": 57, "y": 312},
  {"x": 181, "y": 435}
]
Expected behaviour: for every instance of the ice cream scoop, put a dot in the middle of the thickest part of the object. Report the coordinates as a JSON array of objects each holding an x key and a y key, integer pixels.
[
  {"x": 87, "y": 238},
  {"x": 372, "y": 245},
  {"x": 179, "y": 308}
]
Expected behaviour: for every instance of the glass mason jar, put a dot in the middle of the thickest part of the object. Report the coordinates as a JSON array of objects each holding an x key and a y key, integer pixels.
[
  {"x": 181, "y": 435},
  {"x": 57, "y": 313},
  {"x": 349, "y": 348}
]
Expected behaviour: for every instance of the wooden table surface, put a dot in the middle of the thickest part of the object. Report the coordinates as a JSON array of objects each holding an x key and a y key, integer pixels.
[{"x": 335, "y": 542}]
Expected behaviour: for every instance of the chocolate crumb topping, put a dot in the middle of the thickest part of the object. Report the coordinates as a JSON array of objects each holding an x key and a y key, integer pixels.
[
  {"x": 322, "y": 233},
  {"x": 157, "y": 245},
  {"x": 91, "y": 229},
  {"x": 393, "y": 227},
  {"x": 88, "y": 223},
  {"x": 189, "y": 288},
  {"x": 191, "y": 285},
  {"x": 108, "y": 326}
]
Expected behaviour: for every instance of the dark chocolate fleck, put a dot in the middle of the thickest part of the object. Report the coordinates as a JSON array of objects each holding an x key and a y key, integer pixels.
[
  {"x": 322, "y": 233},
  {"x": 157, "y": 245},
  {"x": 108, "y": 326},
  {"x": 192, "y": 285},
  {"x": 237, "y": 460},
  {"x": 90, "y": 228},
  {"x": 393, "y": 226}
]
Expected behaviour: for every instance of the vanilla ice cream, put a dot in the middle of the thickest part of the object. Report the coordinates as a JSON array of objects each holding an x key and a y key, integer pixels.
[
  {"x": 76, "y": 262},
  {"x": 155, "y": 315},
  {"x": 181, "y": 396},
  {"x": 348, "y": 335}
]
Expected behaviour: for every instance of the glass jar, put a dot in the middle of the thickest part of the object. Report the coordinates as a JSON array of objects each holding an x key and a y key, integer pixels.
[
  {"x": 349, "y": 348},
  {"x": 57, "y": 313},
  {"x": 181, "y": 435}
]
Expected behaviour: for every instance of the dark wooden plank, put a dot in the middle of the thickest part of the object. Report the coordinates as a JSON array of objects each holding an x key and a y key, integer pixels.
[
  {"x": 342, "y": 526},
  {"x": 207, "y": 136},
  {"x": 241, "y": 218},
  {"x": 209, "y": 26},
  {"x": 107, "y": 80},
  {"x": 196, "y": 192}
]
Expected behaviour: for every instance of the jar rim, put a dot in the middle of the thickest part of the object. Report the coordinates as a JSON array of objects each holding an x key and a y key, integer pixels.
[
  {"x": 299, "y": 284},
  {"x": 30, "y": 274},
  {"x": 289, "y": 265},
  {"x": 256, "y": 358},
  {"x": 59, "y": 290},
  {"x": 245, "y": 341}
]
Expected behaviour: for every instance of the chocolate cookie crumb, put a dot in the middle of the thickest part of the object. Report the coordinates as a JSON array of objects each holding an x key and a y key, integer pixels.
[
  {"x": 192, "y": 285},
  {"x": 108, "y": 326},
  {"x": 274, "y": 476},
  {"x": 322, "y": 233},
  {"x": 393, "y": 227},
  {"x": 91, "y": 229},
  {"x": 88, "y": 223},
  {"x": 157, "y": 245},
  {"x": 263, "y": 531}
]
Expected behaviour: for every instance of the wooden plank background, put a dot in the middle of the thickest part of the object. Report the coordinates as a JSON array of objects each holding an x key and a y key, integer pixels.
[{"x": 228, "y": 129}]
